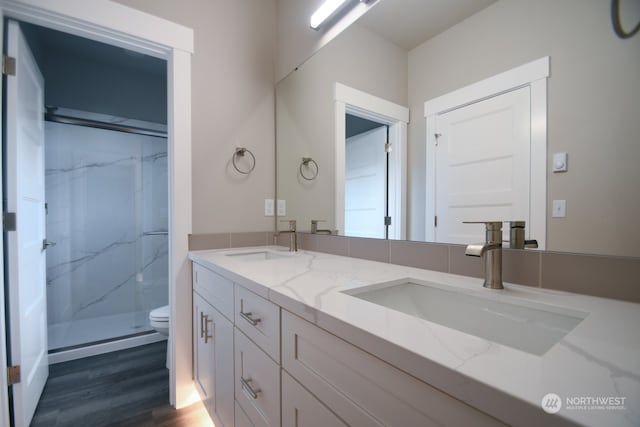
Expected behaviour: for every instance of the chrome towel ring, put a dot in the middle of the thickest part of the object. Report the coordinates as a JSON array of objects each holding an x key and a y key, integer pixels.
[
  {"x": 305, "y": 164},
  {"x": 240, "y": 152}
]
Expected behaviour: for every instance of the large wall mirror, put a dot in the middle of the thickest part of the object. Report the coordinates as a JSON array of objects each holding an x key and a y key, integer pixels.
[{"x": 368, "y": 88}]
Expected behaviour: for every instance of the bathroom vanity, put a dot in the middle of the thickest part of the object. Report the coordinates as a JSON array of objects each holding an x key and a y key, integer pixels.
[{"x": 311, "y": 339}]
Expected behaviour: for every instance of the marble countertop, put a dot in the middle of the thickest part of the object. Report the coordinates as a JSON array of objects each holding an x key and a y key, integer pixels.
[{"x": 599, "y": 359}]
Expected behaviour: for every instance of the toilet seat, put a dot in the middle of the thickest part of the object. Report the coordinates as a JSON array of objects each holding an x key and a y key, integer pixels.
[{"x": 160, "y": 314}]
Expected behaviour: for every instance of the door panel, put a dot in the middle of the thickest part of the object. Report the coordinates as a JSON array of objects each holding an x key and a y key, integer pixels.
[
  {"x": 365, "y": 180},
  {"x": 483, "y": 166},
  {"x": 25, "y": 197}
]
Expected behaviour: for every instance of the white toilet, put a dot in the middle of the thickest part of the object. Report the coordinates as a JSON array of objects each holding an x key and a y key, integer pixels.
[{"x": 159, "y": 320}]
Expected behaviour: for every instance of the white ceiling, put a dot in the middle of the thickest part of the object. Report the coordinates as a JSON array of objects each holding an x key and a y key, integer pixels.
[{"x": 409, "y": 23}]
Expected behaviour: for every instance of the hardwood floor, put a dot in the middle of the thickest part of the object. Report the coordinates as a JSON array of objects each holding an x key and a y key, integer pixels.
[{"x": 128, "y": 388}]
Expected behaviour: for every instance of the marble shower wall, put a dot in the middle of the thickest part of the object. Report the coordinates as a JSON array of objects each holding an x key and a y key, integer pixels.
[{"x": 105, "y": 191}]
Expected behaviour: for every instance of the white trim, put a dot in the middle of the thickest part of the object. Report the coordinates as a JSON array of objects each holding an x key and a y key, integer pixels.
[
  {"x": 94, "y": 350},
  {"x": 362, "y": 104},
  {"x": 104, "y": 21},
  {"x": 118, "y": 25},
  {"x": 492, "y": 86},
  {"x": 537, "y": 229},
  {"x": 180, "y": 205},
  {"x": 376, "y": 108},
  {"x": 533, "y": 74},
  {"x": 4, "y": 390}
]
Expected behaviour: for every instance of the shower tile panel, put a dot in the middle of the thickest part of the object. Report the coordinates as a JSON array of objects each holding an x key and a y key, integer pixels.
[{"x": 106, "y": 191}]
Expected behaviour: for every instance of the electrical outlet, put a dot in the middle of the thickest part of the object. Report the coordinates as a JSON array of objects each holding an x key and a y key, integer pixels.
[
  {"x": 282, "y": 207},
  {"x": 268, "y": 207}
]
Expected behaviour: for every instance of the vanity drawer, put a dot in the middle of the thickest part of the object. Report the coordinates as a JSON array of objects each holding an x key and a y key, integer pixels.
[
  {"x": 362, "y": 389},
  {"x": 259, "y": 319},
  {"x": 214, "y": 288},
  {"x": 301, "y": 409},
  {"x": 257, "y": 386}
]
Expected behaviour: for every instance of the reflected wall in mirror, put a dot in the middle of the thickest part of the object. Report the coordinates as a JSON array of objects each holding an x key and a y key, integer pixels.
[{"x": 593, "y": 106}]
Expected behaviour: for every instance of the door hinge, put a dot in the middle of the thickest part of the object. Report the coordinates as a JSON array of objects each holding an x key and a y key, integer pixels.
[
  {"x": 8, "y": 65},
  {"x": 435, "y": 221},
  {"x": 387, "y": 220},
  {"x": 13, "y": 375},
  {"x": 388, "y": 148},
  {"x": 9, "y": 221},
  {"x": 437, "y": 135}
]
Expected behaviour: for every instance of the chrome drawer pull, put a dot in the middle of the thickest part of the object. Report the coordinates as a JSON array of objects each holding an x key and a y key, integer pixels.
[
  {"x": 248, "y": 318},
  {"x": 207, "y": 337},
  {"x": 247, "y": 387},
  {"x": 202, "y": 325}
]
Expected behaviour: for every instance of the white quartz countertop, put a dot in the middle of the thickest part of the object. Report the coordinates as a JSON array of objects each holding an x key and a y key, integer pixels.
[{"x": 599, "y": 359}]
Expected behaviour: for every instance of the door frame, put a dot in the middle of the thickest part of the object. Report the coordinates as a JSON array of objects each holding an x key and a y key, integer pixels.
[
  {"x": 121, "y": 26},
  {"x": 367, "y": 106},
  {"x": 533, "y": 75}
]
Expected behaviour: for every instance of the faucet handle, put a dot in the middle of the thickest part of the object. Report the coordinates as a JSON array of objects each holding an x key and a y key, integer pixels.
[
  {"x": 292, "y": 223},
  {"x": 491, "y": 225}
]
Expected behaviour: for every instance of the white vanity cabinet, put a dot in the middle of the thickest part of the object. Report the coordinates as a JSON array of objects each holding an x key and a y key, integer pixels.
[
  {"x": 213, "y": 347},
  {"x": 272, "y": 368}
]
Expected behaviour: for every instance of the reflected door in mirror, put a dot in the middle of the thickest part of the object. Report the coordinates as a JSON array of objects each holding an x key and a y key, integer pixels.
[
  {"x": 365, "y": 184},
  {"x": 482, "y": 166}
]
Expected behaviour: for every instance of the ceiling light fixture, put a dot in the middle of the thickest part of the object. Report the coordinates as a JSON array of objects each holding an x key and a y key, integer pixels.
[{"x": 325, "y": 11}]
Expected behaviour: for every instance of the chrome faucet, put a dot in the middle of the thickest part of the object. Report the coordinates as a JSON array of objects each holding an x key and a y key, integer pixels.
[
  {"x": 491, "y": 249},
  {"x": 314, "y": 227},
  {"x": 293, "y": 241},
  {"x": 516, "y": 236}
]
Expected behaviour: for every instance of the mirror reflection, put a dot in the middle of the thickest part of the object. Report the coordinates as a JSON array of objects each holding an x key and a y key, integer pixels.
[{"x": 558, "y": 151}]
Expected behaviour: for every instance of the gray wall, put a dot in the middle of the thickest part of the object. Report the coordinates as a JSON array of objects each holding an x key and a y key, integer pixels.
[
  {"x": 593, "y": 110},
  {"x": 297, "y": 41},
  {"x": 232, "y": 106},
  {"x": 305, "y": 115}
]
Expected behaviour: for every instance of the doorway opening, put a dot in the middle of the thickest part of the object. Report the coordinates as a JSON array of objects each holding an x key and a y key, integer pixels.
[
  {"x": 85, "y": 162},
  {"x": 370, "y": 147}
]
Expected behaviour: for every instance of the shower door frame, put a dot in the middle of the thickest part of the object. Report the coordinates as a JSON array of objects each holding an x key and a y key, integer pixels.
[{"x": 121, "y": 26}]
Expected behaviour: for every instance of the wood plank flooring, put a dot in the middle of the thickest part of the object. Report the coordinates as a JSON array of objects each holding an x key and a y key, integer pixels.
[{"x": 128, "y": 388}]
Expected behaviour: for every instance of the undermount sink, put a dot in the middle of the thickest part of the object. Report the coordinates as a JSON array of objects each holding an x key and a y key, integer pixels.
[
  {"x": 527, "y": 326},
  {"x": 258, "y": 255}
]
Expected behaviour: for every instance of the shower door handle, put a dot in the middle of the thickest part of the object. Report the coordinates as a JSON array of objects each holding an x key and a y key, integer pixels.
[{"x": 46, "y": 244}]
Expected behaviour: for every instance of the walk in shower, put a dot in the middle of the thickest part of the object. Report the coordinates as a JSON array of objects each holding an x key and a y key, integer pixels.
[{"x": 107, "y": 199}]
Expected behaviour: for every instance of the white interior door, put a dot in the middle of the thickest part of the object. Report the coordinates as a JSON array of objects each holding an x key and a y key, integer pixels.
[
  {"x": 365, "y": 184},
  {"x": 482, "y": 166},
  {"x": 26, "y": 256}
]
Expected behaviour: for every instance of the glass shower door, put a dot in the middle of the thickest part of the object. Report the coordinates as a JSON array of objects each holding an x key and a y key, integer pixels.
[{"x": 107, "y": 210}]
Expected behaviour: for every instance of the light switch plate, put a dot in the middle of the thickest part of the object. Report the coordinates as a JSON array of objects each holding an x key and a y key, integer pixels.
[
  {"x": 268, "y": 207},
  {"x": 559, "y": 209},
  {"x": 282, "y": 207}
]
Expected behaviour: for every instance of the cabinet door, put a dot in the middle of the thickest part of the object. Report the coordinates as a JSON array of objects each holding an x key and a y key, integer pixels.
[
  {"x": 215, "y": 289},
  {"x": 213, "y": 364},
  {"x": 301, "y": 409},
  {"x": 202, "y": 369}
]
